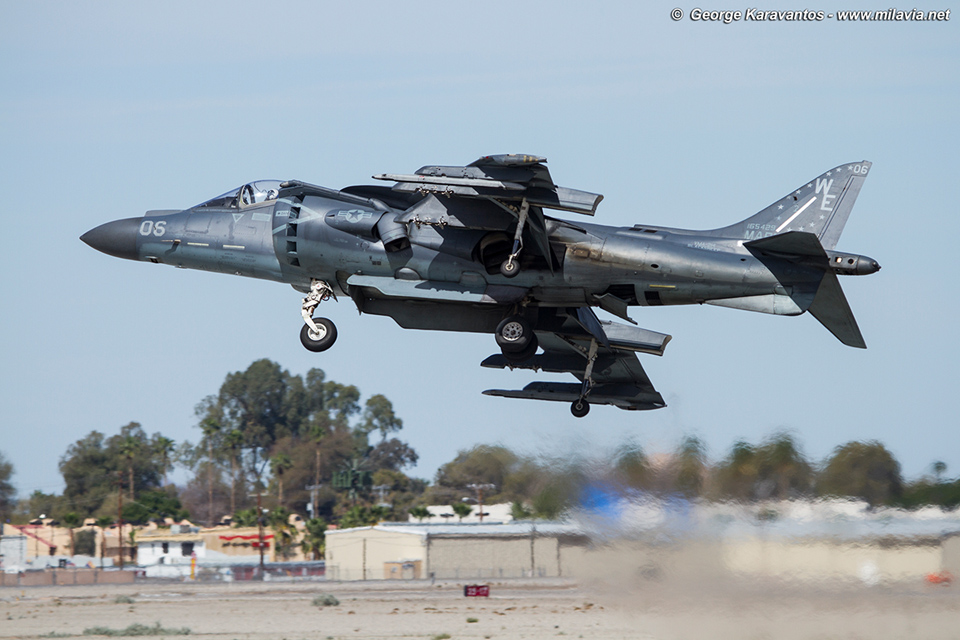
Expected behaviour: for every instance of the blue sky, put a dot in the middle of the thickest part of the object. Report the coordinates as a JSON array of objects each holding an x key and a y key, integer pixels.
[{"x": 110, "y": 109}]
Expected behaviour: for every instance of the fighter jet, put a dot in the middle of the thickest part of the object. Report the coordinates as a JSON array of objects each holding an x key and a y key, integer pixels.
[{"x": 471, "y": 248}]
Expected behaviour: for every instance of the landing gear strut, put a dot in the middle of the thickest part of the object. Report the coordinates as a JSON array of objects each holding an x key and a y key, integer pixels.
[
  {"x": 580, "y": 407},
  {"x": 511, "y": 266},
  {"x": 317, "y": 334}
]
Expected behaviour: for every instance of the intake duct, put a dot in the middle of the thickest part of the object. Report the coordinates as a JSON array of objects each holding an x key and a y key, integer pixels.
[{"x": 393, "y": 234}]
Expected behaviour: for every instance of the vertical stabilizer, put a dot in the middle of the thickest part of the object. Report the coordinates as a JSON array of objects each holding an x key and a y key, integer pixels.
[{"x": 820, "y": 206}]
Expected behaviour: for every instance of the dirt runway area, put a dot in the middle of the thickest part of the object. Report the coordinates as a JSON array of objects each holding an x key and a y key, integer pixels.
[{"x": 515, "y": 609}]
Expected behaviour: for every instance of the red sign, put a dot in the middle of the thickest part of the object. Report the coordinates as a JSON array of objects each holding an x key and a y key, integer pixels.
[{"x": 476, "y": 590}]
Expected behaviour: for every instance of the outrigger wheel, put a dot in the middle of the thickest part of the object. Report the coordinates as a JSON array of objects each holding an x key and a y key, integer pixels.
[
  {"x": 580, "y": 408},
  {"x": 321, "y": 339},
  {"x": 516, "y": 337},
  {"x": 510, "y": 267}
]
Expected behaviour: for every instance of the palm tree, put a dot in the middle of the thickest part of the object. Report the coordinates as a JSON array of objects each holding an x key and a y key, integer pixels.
[
  {"x": 939, "y": 468},
  {"x": 163, "y": 447},
  {"x": 419, "y": 512},
  {"x": 71, "y": 520},
  {"x": 102, "y": 523},
  {"x": 278, "y": 464},
  {"x": 234, "y": 442},
  {"x": 210, "y": 429},
  {"x": 313, "y": 538},
  {"x": 462, "y": 509},
  {"x": 129, "y": 448},
  {"x": 316, "y": 433}
]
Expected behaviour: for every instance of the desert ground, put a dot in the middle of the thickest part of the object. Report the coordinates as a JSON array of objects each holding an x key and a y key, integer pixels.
[{"x": 540, "y": 608}]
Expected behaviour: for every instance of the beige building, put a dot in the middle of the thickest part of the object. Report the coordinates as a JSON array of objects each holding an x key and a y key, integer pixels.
[
  {"x": 524, "y": 549},
  {"x": 474, "y": 551}
]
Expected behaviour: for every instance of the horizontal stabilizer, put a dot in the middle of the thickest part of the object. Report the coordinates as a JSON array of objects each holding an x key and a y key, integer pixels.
[
  {"x": 619, "y": 395},
  {"x": 791, "y": 243},
  {"x": 831, "y": 309}
]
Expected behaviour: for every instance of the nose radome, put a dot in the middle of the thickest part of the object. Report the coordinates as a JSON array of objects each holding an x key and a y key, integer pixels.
[{"x": 117, "y": 238}]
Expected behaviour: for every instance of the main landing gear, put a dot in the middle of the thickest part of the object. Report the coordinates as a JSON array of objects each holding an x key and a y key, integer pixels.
[
  {"x": 317, "y": 334},
  {"x": 516, "y": 339}
]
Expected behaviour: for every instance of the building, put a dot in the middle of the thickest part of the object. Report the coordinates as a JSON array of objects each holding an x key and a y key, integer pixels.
[
  {"x": 642, "y": 538},
  {"x": 475, "y": 551}
]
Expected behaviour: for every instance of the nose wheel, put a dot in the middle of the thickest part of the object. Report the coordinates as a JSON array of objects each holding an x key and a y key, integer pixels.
[
  {"x": 317, "y": 334},
  {"x": 320, "y": 337}
]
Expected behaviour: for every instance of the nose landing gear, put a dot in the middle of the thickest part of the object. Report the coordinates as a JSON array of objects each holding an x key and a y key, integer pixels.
[{"x": 317, "y": 334}]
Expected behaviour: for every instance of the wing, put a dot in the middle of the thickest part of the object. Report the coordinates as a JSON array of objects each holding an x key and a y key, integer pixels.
[
  {"x": 488, "y": 195},
  {"x": 618, "y": 378}
]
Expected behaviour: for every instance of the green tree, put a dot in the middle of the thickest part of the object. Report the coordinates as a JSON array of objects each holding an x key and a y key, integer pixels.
[
  {"x": 90, "y": 467},
  {"x": 379, "y": 416},
  {"x": 519, "y": 512},
  {"x": 362, "y": 516},
  {"x": 154, "y": 504},
  {"x": 71, "y": 521},
  {"x": 461, "y": 509},
  {"x": 278, "y": 465},
  {"x": 419, "y": 512},
  {"x": 783, "y": 466},
  {"x": 8, "y": 493},
  {"x": 129, "y": 448},
  {"x": 739, "y": 473},
  {"x": 164, "y": 449},
  {"x": 102, "y": 524},
  {"x": 314, "y": 537},
  {"x": 630, "y": 466},
  {"x": 85, "y": 543},
  {"x": 939, "y": 468},
  {"x": 865, "y": 470},
  {"x": 482, "y": 465},
  {"x": 689, "y": 467}
]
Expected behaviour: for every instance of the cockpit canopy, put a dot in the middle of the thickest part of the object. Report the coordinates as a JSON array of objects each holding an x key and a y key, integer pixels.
[{"x": 249, "y": 194}]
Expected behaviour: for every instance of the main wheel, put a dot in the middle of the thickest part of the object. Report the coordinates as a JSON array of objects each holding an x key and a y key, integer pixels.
[
  {"x": 516, "y": 357},
  {"x": 580, "y": 408},
  {"x": 510, "y": 268},
  {"x": 319, "y": 340},
  {"x": 514, "y": 334}
]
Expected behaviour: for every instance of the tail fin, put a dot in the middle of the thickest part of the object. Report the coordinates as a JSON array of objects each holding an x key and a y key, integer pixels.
[{"x": 821, "y": 207}]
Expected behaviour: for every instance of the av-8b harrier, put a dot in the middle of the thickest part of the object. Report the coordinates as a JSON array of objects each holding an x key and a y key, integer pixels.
[{"x": 471, "y": 249}]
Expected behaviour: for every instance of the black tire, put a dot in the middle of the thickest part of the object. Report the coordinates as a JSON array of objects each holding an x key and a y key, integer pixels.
[
  {"x": 514, "y": 334},
  {"x": 516, "y": 357},
  {"x": 510, "y": 268},
  {"x": 579, "y": 408},
  {"x": 322, "y": 342}
]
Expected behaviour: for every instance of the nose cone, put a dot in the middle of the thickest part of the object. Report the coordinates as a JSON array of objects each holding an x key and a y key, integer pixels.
[
  {"x": 866, "y": 266},
  {"x": 117, "y": 238}
]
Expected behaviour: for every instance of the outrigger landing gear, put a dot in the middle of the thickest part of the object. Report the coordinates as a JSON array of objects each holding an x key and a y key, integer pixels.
[
  {"x": 580, "y": 407},
  {"x": 511, "y": 266},
  {"x": 317, "y": 334}
]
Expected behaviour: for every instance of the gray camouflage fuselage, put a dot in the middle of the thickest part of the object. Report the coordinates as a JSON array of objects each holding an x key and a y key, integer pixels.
[{"x": 431, "y": 261}]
